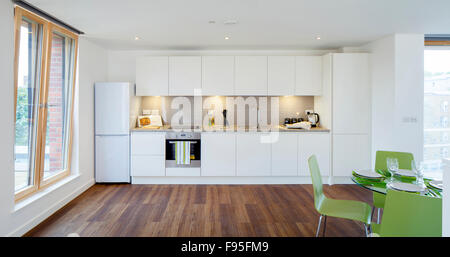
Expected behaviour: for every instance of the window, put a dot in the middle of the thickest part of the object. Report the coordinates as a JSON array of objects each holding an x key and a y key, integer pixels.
[
  {"x": 436, "y": 113},
  {"x": 45, "y": 61}
]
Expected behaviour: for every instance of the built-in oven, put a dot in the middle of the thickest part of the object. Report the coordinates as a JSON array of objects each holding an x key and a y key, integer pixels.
[{"x": 194, "y": 139}]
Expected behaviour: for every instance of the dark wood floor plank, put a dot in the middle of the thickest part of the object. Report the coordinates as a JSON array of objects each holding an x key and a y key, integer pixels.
[{"x": 200, "y": 210}]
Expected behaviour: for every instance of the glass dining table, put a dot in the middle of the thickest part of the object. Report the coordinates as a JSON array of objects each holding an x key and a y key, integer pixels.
[{"x": 382, "y": 186}]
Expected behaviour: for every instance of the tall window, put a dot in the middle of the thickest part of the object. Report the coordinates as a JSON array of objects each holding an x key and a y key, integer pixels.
[
  {"x": 45, "y": 61},
  {"x": 436, "y": 112}
]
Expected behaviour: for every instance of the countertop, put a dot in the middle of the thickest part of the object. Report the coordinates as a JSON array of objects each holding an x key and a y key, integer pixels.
[{"x": 168, "y": 128}]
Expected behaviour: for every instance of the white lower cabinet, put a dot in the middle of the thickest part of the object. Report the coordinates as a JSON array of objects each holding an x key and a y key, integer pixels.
[
  {"x": 148, "y": 165},
  {"x": 284, "y": 154},
  {"x": 253, "y": 154},
  {"x": 350, "y": 152},
  {"x": 317, "y": 144},
  {"x": 148, "y": 154},
  {"x": 218, "y": 154}
]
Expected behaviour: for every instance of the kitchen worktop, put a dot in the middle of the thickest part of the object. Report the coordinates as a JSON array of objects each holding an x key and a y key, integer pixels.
[{"x": 168, "y": 128}]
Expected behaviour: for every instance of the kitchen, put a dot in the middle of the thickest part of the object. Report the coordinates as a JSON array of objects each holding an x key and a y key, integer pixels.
[{"x": 215, "y": 128}]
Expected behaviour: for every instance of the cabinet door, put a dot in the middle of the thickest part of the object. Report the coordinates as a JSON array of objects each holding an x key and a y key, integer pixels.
[
  {"x": 148, "y": 143},
  {"x": 253, "y": 157},
  {"x": 251, "y": 75},
  {"x": 281, "y": 75},
  {"x": 350, "y": 152},
  {"x": 308, "y": 75},
  {"x": 218, "y": 154},
  {"x": 112, "y": 155},
  {"x": 148, "y": 165},
  {"x": 351, "y": 93},
  {"x": 152, "y": 76},
  {"x": 318, "y": 144},
  {"x": 184, "y": 74},
  {"x": 217, "y": 75},
  {"x": 284, "y": 154}
]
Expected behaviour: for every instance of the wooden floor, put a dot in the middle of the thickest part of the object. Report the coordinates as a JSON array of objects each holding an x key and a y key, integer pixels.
[{"x": 199, "y": 210}]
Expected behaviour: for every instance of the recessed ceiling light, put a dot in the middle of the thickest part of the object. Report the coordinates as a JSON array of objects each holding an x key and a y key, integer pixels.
[
  {"x": 226, "y": 38},
  {"x": 318, "y": 37},
  {"x": 136, "y": 38}
]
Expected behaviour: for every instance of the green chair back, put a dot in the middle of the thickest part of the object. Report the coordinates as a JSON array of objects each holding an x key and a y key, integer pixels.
[
  {"x": 316, "y": 181},
  {"x": 404, "y": 162},
  {"x": 404, "y": 159},
  {"x": 410, "y": 215}
]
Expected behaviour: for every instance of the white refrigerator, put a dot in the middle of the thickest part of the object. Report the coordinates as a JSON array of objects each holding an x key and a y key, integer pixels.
[{"x": 112, "y": 134}]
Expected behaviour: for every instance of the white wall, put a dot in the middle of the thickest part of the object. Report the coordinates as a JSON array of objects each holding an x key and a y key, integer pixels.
[
  {"x": 397, "y": 93},
  {"x": 16, "y": 221}
]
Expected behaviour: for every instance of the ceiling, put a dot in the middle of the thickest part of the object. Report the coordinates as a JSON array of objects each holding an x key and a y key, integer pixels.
[{"x": 261, "y": 24}]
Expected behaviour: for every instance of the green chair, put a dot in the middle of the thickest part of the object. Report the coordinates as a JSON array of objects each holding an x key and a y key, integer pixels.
[
  {"x": 346, "y": 209},
  {"x": 410, "y": 215},
  {"x": 404, "y": 162}
]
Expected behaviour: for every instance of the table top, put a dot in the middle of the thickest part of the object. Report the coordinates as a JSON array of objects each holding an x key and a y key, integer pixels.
[{"x": 380, "y": 187}]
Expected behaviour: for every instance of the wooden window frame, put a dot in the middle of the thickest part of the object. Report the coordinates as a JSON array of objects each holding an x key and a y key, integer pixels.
[{"x": 48, "y": 28}]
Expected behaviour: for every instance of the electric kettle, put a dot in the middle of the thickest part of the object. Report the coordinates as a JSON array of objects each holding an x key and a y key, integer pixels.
[{"x": 314, "y": 119}]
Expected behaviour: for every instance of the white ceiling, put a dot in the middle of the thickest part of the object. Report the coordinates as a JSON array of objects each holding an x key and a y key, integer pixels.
[{"x": 262, "y": 24}]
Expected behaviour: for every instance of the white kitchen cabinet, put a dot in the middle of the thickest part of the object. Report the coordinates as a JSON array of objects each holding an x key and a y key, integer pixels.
[
  {"x": 281, "y": 75},
  {"x": 218, "y": 75},
  {"x": 185, "y": 74},
  {"x": 148, "y": 154},
  {"x": 308, "y": 75},
  {"x": 250, "y": 75},
  {"x": 148, "y": 143},
  {"x": 148, "y": 165},
  {"x": 218, "y": 154},
  {"x": 351, "y": 93},
  {"x": 284, "y": 154},
  {"x": 152, "y": 76},
  {"x": 253, "y": 157},
  {"x": 318, "y": 144},
  {"x": 350, "y": 152}
]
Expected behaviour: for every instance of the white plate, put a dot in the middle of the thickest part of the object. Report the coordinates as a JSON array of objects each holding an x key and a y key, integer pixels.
[
  {"x": 406, "y": 187},
  {"x": 405, "y": 173},
  {"x": 437, "y": 184},
  {"x": 368, "y": 173}
]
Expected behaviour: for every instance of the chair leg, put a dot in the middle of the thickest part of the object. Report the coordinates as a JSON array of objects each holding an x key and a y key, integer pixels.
[
  {"x": 324, "y": 226},
  {"x": 378, "y": 216},
  {"x": 373, "y": 211},
  {"x": 318, "y": 226},
  {"x": 366, "y": 230}
]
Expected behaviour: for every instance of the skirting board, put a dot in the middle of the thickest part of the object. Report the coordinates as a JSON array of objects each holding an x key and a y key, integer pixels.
[
  {"x": 236, "y": 180},
  {"x": 49, "y": 211}
]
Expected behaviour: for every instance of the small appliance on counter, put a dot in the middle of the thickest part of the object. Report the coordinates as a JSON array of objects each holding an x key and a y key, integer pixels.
[
  {"x": 150, "y": 119},
  {"x": 313, "y": 118},
  {"x": 292, "y": 120}
]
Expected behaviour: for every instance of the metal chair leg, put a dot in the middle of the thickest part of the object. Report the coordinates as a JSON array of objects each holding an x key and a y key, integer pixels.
[
  {"x": 365, "y": 229},
  {"x": 378, "y": 216},
  {"x": 318, "y": 226},
  {"x": 324, "y": 226},
  {"x": 373, "y": 211}
]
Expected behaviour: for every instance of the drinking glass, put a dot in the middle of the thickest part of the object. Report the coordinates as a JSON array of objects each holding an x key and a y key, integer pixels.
[
  {"x": 418, "y": 169},
  {"x": 392, "y": 165}
]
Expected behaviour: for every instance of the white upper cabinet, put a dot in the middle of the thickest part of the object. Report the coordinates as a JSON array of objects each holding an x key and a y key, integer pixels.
[
  {"x": 218, "y": 75},
  {"x": 250, "y": 75},
  {"x": 184, "y": 74},
  {"x": 308, "y": 75},
  {"x": 152, "y": 76},
  {"x": 281, "y": 75},
  {"x": 351, "y": 93}
]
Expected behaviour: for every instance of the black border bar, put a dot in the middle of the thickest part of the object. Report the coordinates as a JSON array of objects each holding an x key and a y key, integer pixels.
[{"x": 45, "y": 15}]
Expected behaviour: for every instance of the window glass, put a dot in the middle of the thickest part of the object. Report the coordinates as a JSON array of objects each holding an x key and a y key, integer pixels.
[{"x": 27, "y": 102}]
